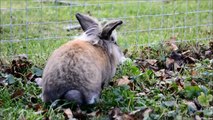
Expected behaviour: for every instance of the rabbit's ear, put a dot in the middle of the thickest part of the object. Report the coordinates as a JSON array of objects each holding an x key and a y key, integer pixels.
[
  {"x": 86, "y": 21},
  {"x": 108, "y": 28}
]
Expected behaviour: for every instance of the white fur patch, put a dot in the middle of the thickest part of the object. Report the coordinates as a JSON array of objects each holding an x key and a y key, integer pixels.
[
  {"x": 39, "y": 81},
  {"x": 92, "y": 38},
  {"x": 123, "y": 59},
  {"x": 93, "y": 99}
]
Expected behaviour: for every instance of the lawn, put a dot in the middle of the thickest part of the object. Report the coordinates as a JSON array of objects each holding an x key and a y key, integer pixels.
[{"x": 154, "y": 82}]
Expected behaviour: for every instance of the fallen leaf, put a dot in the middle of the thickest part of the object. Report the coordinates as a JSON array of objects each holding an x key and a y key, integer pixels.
[
  {"x": 127, "y": 117},
  {"x": 10, "y": 79},
  {"x": 141, "y": 114},
  {"x": 162, "y": 74},
  {"x": 123, "y": 81},
  {"x": 193, "y": 73},
  {"x": 2, "y": 81},
  {"x": 151, "y": 61},
  {"x": 169, "y": 63},
  {"x": 189, "y": 60},
  {"x": 208, "y": 54},
  {"x": 171, "y": 43},
  {"x": 194, "y": 83},
  {"x": 94, "y": 113},
  {"x": 30, "y": 76},
  {"x": 177, "y": 67},
  {"x": 179, "y": 82},
  {"x": 191, "y": 107},
  {"x": 79, "y": 114},
  {"x": 185, "y": 52},
  {"x": 37, "y": 107},
  {"x": 197, "y": 117},
  {"x": 116, "y": 114},
  {"x": 141, "y": 94},
  {"x": 68, "y": 113},
  {"x": 17, "y": 93},
  {"x": 37, "y": 71}
]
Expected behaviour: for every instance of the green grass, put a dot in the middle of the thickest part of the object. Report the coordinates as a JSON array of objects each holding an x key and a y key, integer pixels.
[
  {"x": 46, "y": 20},
  {"x": 32, "y": 20}
]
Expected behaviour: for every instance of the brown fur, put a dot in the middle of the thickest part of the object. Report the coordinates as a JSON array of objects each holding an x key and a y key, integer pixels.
[
  {"x": 83, "y": 62},
  {"x": 79, "y": 69}
]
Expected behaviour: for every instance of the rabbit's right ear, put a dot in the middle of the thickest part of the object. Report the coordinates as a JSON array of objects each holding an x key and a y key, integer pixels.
[
  {"x": 109, "y": 27},
  {"x": 86, "y": 21}
]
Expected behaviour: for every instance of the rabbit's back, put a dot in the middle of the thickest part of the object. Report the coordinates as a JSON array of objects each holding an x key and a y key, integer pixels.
[{"x": 76, "y": 65}]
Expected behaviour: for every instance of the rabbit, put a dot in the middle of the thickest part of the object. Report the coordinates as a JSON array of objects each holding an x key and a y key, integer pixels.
[{"x": 78, "y": 70}]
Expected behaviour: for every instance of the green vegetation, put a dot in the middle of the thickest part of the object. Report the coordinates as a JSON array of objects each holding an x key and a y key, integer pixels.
[
  {"x": 30, "y": 20},
  {"x": 160, "y": 82}
]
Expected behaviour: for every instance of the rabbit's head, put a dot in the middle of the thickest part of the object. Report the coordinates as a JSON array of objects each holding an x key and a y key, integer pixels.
[{"x": 104, "y": 36}]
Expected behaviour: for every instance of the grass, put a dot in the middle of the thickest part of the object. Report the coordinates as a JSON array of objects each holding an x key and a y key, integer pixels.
[
  {"x": 144, "y": 23},
  {"x": 33, "y": 20}
]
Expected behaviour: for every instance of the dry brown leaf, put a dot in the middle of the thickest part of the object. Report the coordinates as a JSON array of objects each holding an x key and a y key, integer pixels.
[
  {"x": 151, "y": 61},
  {"x": 162, "y": 74},
  {"x": 37, "y": 107},
  {"x": 193, "y": 73},
  {"x": 116, "y": 114},
  {"x": 186, "y": 52},
  {"x": 141, "y": 113},
  {"x": 123, "y": 81},
  {"x": 169, "y": 61},
  {"x": 17, "y": 93},
  {"x": 171, "y": 43},
  {"x": 190, "y": 60},
  {"x": 141, "y": 94},
  {"x": 194, "y": 83},
  {"x": 177, "y": 67},
  {"x": 68, "y": 113},
  {"x": 29, "y": 76},
  {"x": 127, "y": 117},
  {"x": 208, "y": 54},
  {"x": 180, "y": 82},
  {"x": 79, "y": 114},
  {"x": 94, "y": 113},
  {"x": 2, "y": 81},
  {"x": 174, "y": 46}
]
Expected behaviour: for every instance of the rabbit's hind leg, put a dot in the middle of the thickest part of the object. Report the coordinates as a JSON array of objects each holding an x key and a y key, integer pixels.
[{"x": 74, "y": 95}]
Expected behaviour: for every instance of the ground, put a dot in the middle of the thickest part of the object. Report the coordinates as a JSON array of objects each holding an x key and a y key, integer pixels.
[{"x": 167, "y": 80}]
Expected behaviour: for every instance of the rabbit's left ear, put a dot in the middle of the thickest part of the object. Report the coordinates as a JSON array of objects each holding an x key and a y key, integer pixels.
[
  {"x": 108, "y": 28},
  {"x": 86, "y": 21}
]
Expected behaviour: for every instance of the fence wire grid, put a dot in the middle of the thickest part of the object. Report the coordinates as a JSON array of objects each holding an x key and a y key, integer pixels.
[{"x": 37, "y": 27}]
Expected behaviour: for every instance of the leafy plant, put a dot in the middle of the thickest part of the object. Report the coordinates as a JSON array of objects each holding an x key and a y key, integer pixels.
[{"x": 205, "y": 99}]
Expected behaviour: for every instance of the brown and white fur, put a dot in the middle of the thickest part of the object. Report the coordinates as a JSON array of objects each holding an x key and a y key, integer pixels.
[{"x": 79, "y": 69}]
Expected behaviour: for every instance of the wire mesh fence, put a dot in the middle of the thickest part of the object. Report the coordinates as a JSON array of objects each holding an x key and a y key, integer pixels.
[{"x": 37, "y": 27}]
